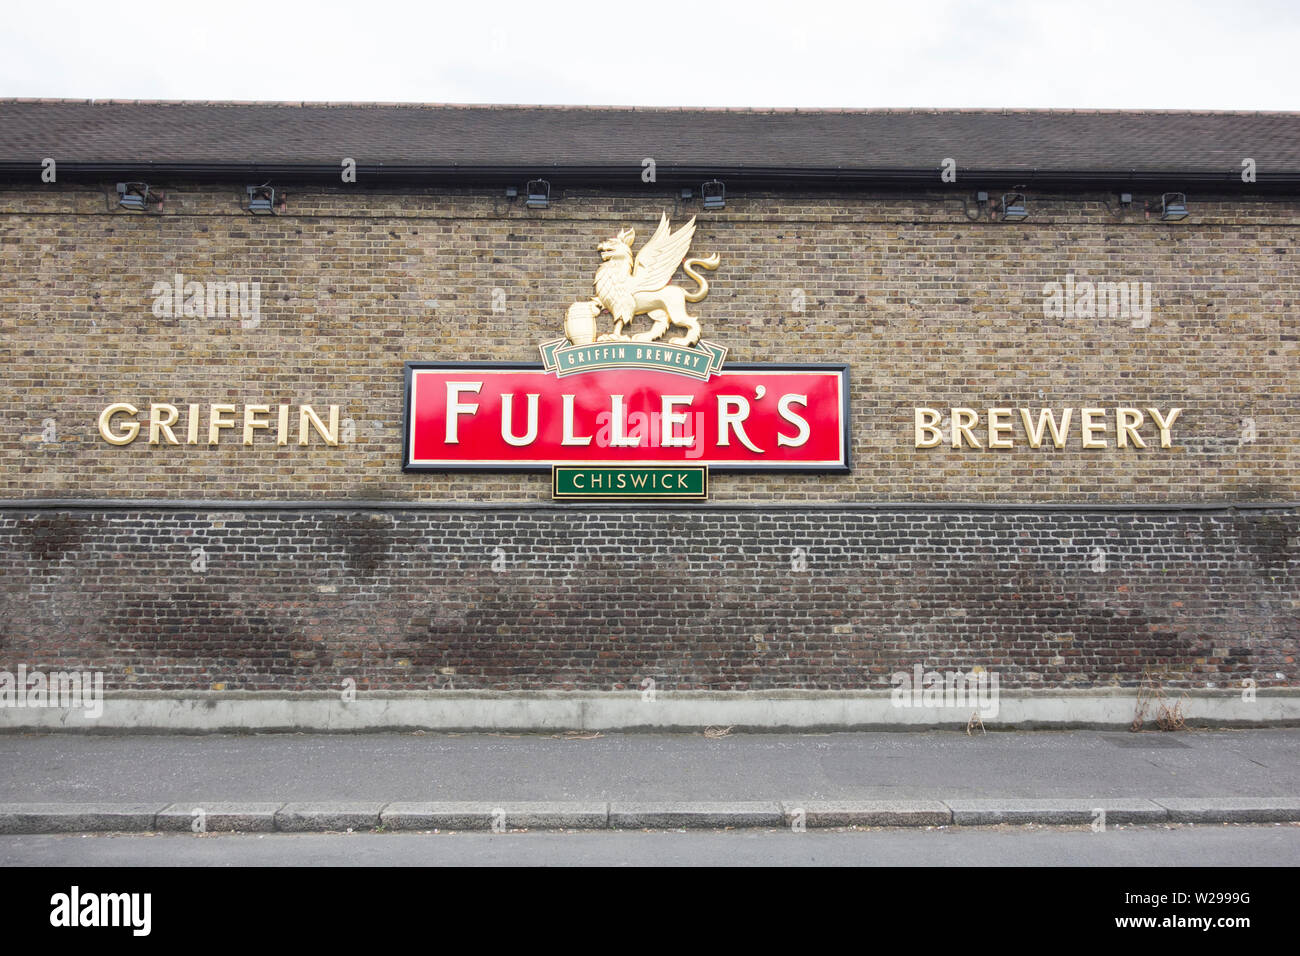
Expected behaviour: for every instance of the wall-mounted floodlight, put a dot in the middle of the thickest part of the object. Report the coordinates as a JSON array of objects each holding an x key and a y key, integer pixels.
[
  {"x": 134, "y": 197},
  {"x": 714, "y": 194},
  {"x": 261, "y": 200},
  {"x": 539, "y": 194},
  {"x": 1014, "y": 208},
  {"x": 1173, "y": 207}
]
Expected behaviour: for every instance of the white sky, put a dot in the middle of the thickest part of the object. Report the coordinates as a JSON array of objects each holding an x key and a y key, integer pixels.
[{"x": 809, "y": 53}]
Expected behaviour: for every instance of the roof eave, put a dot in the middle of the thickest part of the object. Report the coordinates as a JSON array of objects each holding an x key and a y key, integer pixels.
[{"x": 630, "y": 177}]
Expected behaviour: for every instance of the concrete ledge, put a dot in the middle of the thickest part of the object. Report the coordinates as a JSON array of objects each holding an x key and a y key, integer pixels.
[
  {"x": 309, "y": 817},
  {"x": 628, "y": 711},
  {"x": 470, "y": 815},
  {"x": 671, "y": 816},
  {"x": 993, "y": 811},
  {"x": 78, "y": 817},
  {"x": 218, "y": 817},
  {"x": 1232, "y": 809},
  {"x": 867, "y": 813},
  {"x": 32, "y": 818}
]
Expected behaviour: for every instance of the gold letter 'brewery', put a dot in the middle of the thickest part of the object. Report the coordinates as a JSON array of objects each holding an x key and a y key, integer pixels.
[{"x": 1095, "y": 427}]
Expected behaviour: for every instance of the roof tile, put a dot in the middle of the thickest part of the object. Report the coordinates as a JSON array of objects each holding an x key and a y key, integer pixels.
[{"x": 468, "y": 135}]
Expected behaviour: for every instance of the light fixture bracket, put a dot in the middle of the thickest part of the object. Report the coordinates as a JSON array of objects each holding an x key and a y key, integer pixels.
[
  {"x": 1014, "y": 208},
  {"x": 1173, "y": 207},
  {"x": 261, "y": 200},
  {"x": 136, "y": 197},
  {"x": 538, "y": 192},
  {"x": 713, "y": 194}
]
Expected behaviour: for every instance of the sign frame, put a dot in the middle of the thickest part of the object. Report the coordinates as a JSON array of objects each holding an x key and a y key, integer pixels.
[{"x": 846, "y": 436}]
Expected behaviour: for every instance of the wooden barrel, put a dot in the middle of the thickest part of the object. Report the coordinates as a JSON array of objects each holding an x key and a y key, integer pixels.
[{"x": 580, "y": 326}]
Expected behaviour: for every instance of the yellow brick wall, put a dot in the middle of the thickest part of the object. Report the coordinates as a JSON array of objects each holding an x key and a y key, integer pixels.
[{"x": 925, "y": 306}]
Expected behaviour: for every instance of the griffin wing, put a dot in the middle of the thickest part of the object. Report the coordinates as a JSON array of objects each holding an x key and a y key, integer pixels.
[{"x": 661, "y": 255}]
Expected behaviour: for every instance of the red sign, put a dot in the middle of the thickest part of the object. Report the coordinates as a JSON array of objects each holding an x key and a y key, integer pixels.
[{"x": 486, "y": 416}]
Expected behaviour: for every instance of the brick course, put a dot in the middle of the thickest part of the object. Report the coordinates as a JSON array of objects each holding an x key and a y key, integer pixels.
[{"x": 601, "y": 599}]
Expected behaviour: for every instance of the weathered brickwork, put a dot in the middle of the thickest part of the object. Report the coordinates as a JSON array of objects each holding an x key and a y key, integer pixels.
[
  {"x": 926, "y": 307},
  {"x": 549, "y": 599},
  {"x": 817, "y": 591}
]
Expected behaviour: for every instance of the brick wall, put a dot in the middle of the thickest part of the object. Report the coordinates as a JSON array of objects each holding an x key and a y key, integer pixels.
[
  {"x": 926, "y": 307},
  {"x": 553, "y": 599}
]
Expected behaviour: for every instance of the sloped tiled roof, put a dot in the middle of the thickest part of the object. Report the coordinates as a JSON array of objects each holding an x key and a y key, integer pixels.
[{"x": 410, "y": 135}]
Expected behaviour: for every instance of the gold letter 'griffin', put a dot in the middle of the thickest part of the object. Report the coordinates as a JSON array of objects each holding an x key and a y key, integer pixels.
[{"x": 627, "y": 288}]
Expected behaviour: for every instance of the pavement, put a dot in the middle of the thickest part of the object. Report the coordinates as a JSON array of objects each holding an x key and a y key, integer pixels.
[
  {"x": 296, "y": 783},
  {"x": 1165, "y": 845}
]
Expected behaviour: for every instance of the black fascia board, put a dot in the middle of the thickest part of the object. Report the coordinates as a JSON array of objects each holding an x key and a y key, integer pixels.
[{"x": 774, "y": 177}]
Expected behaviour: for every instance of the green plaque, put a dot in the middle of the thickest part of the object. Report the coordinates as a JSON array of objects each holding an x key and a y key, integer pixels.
[{"x": 630, "y": 481}]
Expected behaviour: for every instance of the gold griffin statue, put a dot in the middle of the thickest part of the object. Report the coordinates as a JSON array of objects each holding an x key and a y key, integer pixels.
[{"x": 627, "y": 288}]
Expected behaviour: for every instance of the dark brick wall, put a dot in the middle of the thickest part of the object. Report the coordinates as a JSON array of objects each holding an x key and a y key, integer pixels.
[{"x": 597, "y": 600}]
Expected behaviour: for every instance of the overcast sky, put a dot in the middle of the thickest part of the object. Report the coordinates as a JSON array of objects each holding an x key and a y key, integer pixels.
[{"x": 807, "y": 53}]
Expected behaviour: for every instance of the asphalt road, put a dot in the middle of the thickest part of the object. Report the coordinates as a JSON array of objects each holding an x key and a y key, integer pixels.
[
  {"x": 68, "y": 768},
  {"x": 1152, "y": 846}
]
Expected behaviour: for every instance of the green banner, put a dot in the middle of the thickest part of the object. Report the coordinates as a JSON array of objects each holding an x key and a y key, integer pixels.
[
  {"x": 563, "y": 359},
  {"x": 632, "y": 481}
]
